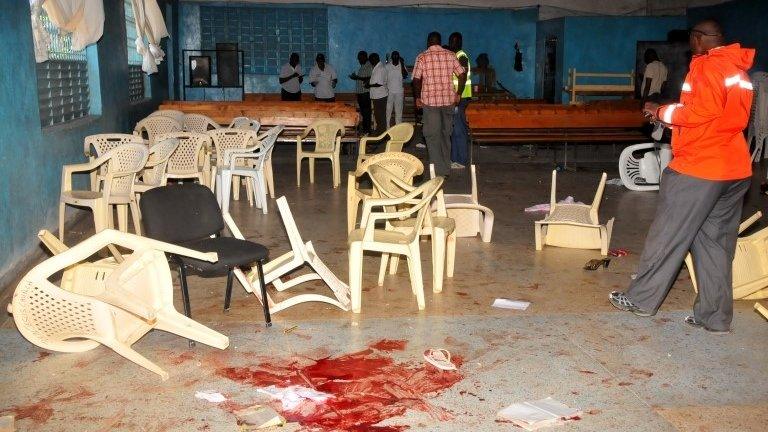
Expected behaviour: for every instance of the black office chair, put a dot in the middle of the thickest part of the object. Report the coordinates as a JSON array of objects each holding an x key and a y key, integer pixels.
[{"x": 188, "y": 215}]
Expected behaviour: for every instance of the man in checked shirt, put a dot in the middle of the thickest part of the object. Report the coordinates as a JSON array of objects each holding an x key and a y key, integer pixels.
[{"x": 434, "y": 92}]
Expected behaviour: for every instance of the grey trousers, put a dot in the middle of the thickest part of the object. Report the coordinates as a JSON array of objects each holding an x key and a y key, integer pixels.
[
  {"x": 438, "y": 126},
  {"x": 701, "y": 216}
]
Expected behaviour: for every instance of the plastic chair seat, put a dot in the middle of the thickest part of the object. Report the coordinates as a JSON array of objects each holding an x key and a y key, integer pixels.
[
  {"x": 380, "y": 236},
  {"x": 443, "y": 222},
  {"x": 81, "y": 195},
  {"x": 569, "y": 213},
  {"x": 232, "y": 253}
]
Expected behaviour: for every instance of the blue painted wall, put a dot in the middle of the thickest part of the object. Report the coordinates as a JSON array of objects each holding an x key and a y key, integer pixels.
[
  {"x": 743, "y": 21},
  {"x": 30, "y": 156},
  {"x": 609, "y": 44},
  {"x": 405, "y": 29}
]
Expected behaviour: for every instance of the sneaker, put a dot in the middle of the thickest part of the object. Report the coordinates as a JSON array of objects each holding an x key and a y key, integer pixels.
[
  {"x": 456, "y": 165},
  {"x": 420, "y": 145},
  {"x": 619, "y": 300}
]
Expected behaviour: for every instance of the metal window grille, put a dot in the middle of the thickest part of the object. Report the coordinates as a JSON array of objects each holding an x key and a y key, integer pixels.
[
  {"x": 62, "y": 81},
  {"x": 136, "y": 81}
]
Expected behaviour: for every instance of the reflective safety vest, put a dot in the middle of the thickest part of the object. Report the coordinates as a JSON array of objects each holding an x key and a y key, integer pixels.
[{"x": 468, "y": 86}]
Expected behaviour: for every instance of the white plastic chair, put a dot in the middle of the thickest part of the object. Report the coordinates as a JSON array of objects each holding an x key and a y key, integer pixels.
[
  {"x": 231, "y": 139},
  {"x": 641, "y": 165},
  {"x": 750, "y": 264},
  {"x": 155, "y": 125},
  {"x": 405, "y": 165},
  {"x": 109, "y": 302},
  {"x": 155, "y": 171},
  {"x": 123, "y": 163},
  {"x": 471, "y": 217},
  {"x": 301, "y": 254},
  {"x": 245, "y": 123},
  {"x": 174, "y": 114},
  {"x": 97, "y": 145},
  {"x": 328, "y": 134},
  {"x": 191, "y": 158},
  {"x": 199, "y": 123},
  {"x": 574, "y": 225},
  {"x": 757, "y": 130},
  {"x": 369, "y": 238},
  {"x": 253, "y": 171},
  {"x": 398, "y": 135}
]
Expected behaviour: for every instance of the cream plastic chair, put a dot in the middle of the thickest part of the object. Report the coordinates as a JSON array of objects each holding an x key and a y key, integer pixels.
[
  {"x": 123, "y": 163},
  {"x": 750, "y": 264},
  {"x": 328, "y": 134},
  {"x": 439, "y": 226},
  {"x": 641, "y": 165},
  {"x": 174, "y": 114},
  {"x": 254, "y": 172},
  {"x": 398, "y": 135},
  {"x": 155, "y": 171},
  {"x": 254, "y": 125},
  {"x": 574, "y": 225},
  {"x": 199, "y": 123},
  {"x": 301, "y": 254},
  {"x": 415, "y": 204},
  {"x": 97, "y": 145},
  {"x": 471, "y": 217},
  {"x": 155, "y": 125},
  {"x": 245, "y": 123},
  {"x": 405, "y": 165},
  {"x": 107, "y": 302},
  {"x": 231, "y": 139},
  {"x": 191, "y": 158}
]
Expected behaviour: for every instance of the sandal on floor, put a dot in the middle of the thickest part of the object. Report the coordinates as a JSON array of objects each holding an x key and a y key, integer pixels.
[
  {"x": 619, "y": 300},
  {"x": 439, "y": 358},
  {"x": 693, "y": 322},
  {"x": 595, "y": 264}
]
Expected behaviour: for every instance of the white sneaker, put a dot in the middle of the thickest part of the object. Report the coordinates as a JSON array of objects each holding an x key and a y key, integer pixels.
[
  {"x": 420, "y": 145},
  {"x": 456, "y": 165}
]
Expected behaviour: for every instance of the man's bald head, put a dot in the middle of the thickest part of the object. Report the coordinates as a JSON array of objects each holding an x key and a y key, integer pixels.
[{"x": 705, "y": 35}]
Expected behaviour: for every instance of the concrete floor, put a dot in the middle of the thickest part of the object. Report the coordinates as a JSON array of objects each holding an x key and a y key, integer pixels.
[{"x": 624, "y": 372}]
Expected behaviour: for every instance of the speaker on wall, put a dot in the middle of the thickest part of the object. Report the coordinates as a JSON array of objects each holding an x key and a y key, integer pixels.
[{"x": 227, "y": 65}]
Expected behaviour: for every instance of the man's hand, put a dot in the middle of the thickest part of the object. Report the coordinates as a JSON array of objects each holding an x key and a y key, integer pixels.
[
  {"x": 419, "y": 103},
  {"x": 456, "y": 98},
  {"x": 650, "y": 109}
]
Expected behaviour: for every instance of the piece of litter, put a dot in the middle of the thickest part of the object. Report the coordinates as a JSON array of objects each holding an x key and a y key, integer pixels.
[
  {"x": 439, "y": 358},
  {"x": 294, "y": 395},
  {"x": 258, "y": 417},
  {"x": 618, "y": 252},
  {"x": 6, "y": 423},
  {"x": 510, "y": 304},
  {"x": 290, "y": 329},
  {"x": 210, "y": 396},
  {"x": 545, "y": 207},
  {"x": 538, "y": 414},
  {"x": 615, "y": 182}
]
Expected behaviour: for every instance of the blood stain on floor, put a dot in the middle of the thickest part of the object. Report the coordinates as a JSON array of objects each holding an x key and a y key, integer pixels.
[
  {"x": 368, "y": 388},
  {"x": 42, "y": 410}
]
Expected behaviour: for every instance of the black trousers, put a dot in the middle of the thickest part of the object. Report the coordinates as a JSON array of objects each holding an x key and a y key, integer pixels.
[
  {"x": 288, "y": 96},
  {"x": 331, "y": 99},
  {"x": 380, "y": 114},
  {"x": 364, "y": 102}
]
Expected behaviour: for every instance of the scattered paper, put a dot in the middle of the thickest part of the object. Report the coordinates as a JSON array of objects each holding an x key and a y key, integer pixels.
[
  {"x": 510, "y": 304},
  {"x": 292, "y": 396},
  {"x": 258, "y": 417},
  {"x": 210, "y": 396},
  {"x": 538, "y": 414},
  {"x": 615, "y": 182},
  {"x": 546, "y": 206}
]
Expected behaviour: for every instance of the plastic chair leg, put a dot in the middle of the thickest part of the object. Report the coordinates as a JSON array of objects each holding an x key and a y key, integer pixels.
[
  {"x": 122, "y": 217},
  {"x": 130, "y": 354},
  {"x": 228, "y": 292},
  {"x": 450, "y": 255},
  {"x": 312, "y": 170},
  {"x": 383, "y": 267},
  {"x": 235, "y": 188},
  {"x": 135, "y": 216},
  {"x": 298, "y": 171},
  {"x": 62, "y": 214},
  {"x": 414, "y": 268},
  {"x": 263, "y": 288},
  {"x": 176, "y": 323},
  {"x": 537, "y": 232},
  {"x": 356, "y": 275},
  {"x": 438, "y": 259}
]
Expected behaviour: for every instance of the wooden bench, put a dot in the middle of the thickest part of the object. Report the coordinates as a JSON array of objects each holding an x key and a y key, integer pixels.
[
  {"x": 621, "y": 84},
  {"x": 224, "y": 112}
]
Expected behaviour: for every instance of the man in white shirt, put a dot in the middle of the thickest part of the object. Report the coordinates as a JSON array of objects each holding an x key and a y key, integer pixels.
[
  {"x": 654, "y": 77},
  {"x": 378, "y": 88},
  {"x": 323, "y": 78},
  {"x": 291, "y": 79},
  {"x": 396, "y": 73}
]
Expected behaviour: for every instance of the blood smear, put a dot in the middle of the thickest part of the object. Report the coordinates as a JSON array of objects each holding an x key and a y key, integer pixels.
[{"x": 368, "y": 388}]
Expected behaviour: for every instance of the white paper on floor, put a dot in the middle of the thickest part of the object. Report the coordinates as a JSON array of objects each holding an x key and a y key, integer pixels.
[
  {"x": 546, "y": 206},
  {"x": 510, "y": 304},
  {"x": 538, "y": 414},
  {"x": 292, "y": 396},
  {"x": 210, "y": 396},
  {"x": 615, "y": 182}
]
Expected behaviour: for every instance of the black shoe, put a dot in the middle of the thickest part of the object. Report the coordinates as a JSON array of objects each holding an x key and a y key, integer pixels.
[{"x": 619, "y": 300}]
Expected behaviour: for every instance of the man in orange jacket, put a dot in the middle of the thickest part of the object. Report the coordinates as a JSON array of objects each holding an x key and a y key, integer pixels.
[{"x": 702, "y": 189}]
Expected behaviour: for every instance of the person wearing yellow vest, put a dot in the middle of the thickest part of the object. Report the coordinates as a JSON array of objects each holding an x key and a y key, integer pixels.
[{"x": 460, "y": 135}]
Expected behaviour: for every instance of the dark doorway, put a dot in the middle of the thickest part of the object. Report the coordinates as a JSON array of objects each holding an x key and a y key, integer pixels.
[{"x": 550, "y": 70}]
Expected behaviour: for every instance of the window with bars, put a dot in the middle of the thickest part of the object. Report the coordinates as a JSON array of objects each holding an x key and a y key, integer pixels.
[
  {"x": 138, "y": 85},
  {"x": 62, "y": 81}
]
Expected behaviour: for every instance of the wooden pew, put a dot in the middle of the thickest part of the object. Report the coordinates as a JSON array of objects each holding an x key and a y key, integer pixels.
[{"x": 224, "y": 112}]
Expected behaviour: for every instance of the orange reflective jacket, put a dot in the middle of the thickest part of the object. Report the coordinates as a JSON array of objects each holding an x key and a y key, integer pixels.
[{"x": 708, "y": 123}]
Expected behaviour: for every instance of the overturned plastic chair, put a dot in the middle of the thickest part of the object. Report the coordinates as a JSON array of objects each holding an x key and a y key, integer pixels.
[
  {"x": 397, "y": 135},
  {"x": 641, "y": 165},
  {"x": 110, "y": 302},
  {"x": 301, "y": 254},
  {"x": 199, "y": 123},
  {"x": 155, "y": 125},
  {"x": 405, "y": 165},
  {"x": 574, "y": 225},
  {"x": 762, "y": 310},
  {"x": 750, "y": 264},
  {"x": 328, "y": 134},
  {"x": 471, "y": 217}
]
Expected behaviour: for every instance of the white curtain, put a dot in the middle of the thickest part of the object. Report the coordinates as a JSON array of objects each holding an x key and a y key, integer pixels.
[
  {"x": 150, "y": 26},
  {"x": 84, "y": 19}
]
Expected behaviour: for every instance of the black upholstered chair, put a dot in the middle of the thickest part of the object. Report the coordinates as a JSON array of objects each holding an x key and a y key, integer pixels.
[{"x": 188, "y": 215}]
